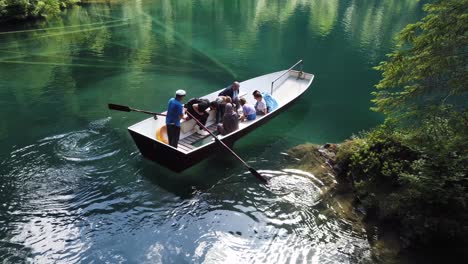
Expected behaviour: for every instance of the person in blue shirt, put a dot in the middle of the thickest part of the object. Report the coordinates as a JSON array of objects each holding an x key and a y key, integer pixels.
[
  {"x": 175, "y": 112},
  {"x": 248, "y": 110}
]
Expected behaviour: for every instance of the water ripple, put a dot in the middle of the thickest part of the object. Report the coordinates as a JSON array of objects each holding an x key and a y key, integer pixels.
[
  {"x": 71, "y": 207},
  {"x": 280, "y": 223},
  {"x": 86, "y": 145}
]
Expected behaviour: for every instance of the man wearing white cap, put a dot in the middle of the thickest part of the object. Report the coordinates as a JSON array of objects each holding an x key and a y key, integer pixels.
[{"x": 175, "y": 112}]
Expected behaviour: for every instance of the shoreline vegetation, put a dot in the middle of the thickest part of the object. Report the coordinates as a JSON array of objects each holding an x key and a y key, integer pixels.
[
  {"x": 409, "y": 176},
  {"x": 338, "y": 194},
  {"x": 22, "y": 10},
  {"x": 15, "y": 11}
]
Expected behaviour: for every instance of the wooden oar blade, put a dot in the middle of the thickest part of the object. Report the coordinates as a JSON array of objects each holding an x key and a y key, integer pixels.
[
  {"x": 258, "y": 175},
  {"x": 119, "y": 107}
]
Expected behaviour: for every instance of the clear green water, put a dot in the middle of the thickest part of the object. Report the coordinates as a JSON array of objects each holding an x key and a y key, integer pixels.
[{"x": 73, "y": 186}]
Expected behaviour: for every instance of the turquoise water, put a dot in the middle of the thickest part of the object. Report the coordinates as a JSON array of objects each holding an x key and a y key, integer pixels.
[{"x": 73, "y": 186}]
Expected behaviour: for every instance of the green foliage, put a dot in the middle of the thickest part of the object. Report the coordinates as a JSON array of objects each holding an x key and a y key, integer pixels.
[
  {"x": 22, "y": 9},
  {"x": 421, "y": 188},
  {"x": 429, "y": 66},
  {"x": 412, "y": 171}
]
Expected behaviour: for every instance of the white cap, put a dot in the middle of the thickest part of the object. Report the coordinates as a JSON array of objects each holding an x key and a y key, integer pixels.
[{"x": 180, "y": 92}]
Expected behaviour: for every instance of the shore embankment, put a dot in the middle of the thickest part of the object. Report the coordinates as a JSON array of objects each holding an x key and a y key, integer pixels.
[
  {"x": 363, "y": 181},
  {"x": 339, "y": 193}
]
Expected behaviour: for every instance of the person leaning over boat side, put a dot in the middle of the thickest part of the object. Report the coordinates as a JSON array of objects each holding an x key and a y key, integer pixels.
[
  {"x": 175, "y": 112},
  {"x": 230, "y": 121},
  {"x": 248, "y": 110},
  {"x": 198, "y": 108},
  {"x": 233, "y": 92},
  {"x": 222, "y": 101}
]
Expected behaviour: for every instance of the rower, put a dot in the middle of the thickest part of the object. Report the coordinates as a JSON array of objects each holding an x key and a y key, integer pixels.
[{"x": 175, "y": 112}]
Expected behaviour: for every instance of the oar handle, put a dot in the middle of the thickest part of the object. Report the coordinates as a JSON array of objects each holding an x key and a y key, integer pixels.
[{"x": 147, "y": 112}]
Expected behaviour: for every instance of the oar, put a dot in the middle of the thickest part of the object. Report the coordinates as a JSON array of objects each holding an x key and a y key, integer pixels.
[
  {"x": 128, "y": 109},
  {"x": 252, "y": 170}
]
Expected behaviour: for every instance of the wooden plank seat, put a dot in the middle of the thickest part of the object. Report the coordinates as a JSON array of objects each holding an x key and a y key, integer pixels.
[{"x": 187, "y": 143}]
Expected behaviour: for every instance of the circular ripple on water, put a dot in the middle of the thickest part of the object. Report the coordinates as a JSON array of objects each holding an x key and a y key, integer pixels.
[
  {"x": 294, "y": 186},
  {"x": 87, "y": 145}
]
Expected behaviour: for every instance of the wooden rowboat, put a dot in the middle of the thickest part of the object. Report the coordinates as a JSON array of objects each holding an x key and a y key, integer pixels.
[{"x": 285, "y": 86}]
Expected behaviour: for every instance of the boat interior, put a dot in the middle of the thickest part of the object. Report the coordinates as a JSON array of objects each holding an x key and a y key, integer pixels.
[{"x": 284, "y": 86}]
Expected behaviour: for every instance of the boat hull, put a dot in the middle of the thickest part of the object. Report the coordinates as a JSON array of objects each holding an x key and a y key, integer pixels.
[{"x": 178, "y": 161}]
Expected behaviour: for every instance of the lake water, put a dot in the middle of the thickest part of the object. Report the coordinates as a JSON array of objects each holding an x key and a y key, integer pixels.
[{"x": 73, "y": 186}]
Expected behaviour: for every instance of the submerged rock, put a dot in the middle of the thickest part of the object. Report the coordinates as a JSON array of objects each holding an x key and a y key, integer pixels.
[
  {"x": 320, "y": 161},
  {"x": 312, "y": 158},
  {"x": 339, "y": 196}
]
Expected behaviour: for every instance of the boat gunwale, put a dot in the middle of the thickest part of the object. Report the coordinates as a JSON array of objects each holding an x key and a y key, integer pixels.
[{"x": 226, "y": 137}]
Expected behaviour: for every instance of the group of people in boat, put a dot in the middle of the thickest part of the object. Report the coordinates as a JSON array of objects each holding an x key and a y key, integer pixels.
[{"x": 226, "y": 106}]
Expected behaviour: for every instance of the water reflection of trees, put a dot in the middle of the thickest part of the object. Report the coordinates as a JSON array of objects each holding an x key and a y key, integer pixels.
[
  {"x": 323, "y": 16},
  {"x": 208, "y": 39},
  {"x": 158, "y": 35},
  {"x": 238, "y": 25},
  {"x": 373, "y": 24},
  {"x": 37, "y": 64}
]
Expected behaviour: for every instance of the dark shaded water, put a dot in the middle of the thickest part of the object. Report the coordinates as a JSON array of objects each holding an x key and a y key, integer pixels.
[{"x": 73, "y": 186}]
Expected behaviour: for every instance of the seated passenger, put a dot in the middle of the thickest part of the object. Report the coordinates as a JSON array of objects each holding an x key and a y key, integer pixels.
[
  {"x": 248, "y": 110},
  {"x": 222, "y": 101},
  {"x": 270, "y": 102},
  {"x": 260, "y": 105},
  {"x": 198, "y": 108},
  {"x": 230, "y": 121}
]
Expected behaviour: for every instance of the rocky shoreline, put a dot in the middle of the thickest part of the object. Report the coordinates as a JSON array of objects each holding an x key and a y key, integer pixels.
[{"x": 339, "y": 194}]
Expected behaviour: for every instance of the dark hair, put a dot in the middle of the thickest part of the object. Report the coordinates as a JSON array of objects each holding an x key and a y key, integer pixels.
[
  {"x": 213, "y": 104},
  {"x": 257, "y": 94}
]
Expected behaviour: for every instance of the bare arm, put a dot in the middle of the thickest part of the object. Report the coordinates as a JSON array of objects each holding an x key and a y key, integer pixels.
[{"x": 195, "y": 107}]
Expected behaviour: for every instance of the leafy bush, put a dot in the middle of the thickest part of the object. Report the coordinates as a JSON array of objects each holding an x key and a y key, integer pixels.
[
  {"x": 415, "y": 180},
  {"x": 412, "y": 171},
  {"x": 22, "y": 9},
  {"x": 428, "y": 67}
]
